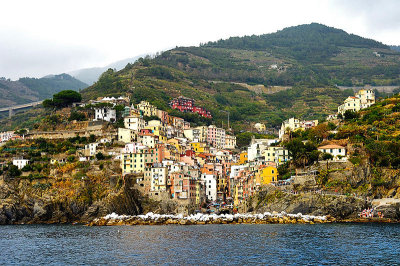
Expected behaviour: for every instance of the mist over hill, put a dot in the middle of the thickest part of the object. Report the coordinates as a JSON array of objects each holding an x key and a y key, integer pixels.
[{"x": 91, "y": 75}]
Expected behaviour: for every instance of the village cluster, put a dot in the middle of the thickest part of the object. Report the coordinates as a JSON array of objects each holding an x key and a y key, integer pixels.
[{"x": 192, "y": 165}]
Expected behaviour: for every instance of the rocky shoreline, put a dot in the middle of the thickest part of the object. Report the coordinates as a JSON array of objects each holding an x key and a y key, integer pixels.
[{"x": 200, "y": 219}]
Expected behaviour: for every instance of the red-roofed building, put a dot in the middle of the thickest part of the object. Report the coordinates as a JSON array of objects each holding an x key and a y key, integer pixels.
[{"x": 184, "y": 105}]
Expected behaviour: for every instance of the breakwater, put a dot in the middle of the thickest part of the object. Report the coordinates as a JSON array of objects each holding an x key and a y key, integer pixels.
[{"x": 245, "y": 218}]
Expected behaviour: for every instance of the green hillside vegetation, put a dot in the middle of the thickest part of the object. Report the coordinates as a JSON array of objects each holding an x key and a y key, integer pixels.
[
  {"x": 160, "y": 84},
  {"x": 27, "y": 90},
  {"x": 312, "y": 59},
  {"x": 312, "y": 55},
  {"x": 374, "y": 134},
  {"x": 308, "y": 59},
  {"x": 47, "y": 86}
]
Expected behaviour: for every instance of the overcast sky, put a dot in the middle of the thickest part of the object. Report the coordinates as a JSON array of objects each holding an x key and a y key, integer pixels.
[{"x": 49, "y": 37}]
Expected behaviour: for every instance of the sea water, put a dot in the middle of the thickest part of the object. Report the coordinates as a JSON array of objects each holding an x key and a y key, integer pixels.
[{"x": 271, "y": 244}]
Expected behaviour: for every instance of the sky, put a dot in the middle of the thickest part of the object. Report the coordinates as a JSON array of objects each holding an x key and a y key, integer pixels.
[{"x": 44, "y": 37}]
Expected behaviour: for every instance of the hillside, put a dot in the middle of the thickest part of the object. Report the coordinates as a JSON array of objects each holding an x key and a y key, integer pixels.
[
  {"x": 266, "y": 78},
  {"x": 395, "y": 48},
  {"x": 33, "y": 89},
  {"x": 297, "y": 69},
  {"x": 310, "y": 55}
]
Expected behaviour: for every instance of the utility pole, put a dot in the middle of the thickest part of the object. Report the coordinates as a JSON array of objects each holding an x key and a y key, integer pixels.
[{"x": 228, "y": 121}]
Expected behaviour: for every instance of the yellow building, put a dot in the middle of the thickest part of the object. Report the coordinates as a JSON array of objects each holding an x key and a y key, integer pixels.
[
  {"x": 198, "y": 192},
  {"x": 269, "y": 174},
  {"x": 157, "y": 129},
  {"x": 238, "y": 194},
  {"x": 243, "y": 157},
  {"x": 176, "y": 144},
  {"x": 147, "y": 109},
  {"x": 132, "y": 163},
  {"x": 198, "y": 147}
]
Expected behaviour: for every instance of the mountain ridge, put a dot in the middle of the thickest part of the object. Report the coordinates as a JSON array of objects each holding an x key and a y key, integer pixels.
[
  {"x": 311, "y": 86},
  {"x": 25, "y": 90}
]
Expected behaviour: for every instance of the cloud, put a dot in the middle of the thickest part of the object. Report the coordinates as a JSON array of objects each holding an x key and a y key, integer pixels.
[
  {"x": 25, "y": 55},
  {"x": 378, "y": 19},
  {"x": 47, "y": 36}
]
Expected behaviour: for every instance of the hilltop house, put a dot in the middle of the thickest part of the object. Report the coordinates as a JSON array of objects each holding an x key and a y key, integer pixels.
[
  {"x": 338, "y": 152},
  {"x": 361, "y": 100},
  {"x": 20, "y": 162},
  {"x": 293, "y": 124}
]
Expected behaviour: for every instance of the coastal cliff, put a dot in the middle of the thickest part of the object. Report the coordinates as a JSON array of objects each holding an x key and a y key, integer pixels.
[
  {"x": 24, "y": 202},
  {"x": 65, "y": 198}
]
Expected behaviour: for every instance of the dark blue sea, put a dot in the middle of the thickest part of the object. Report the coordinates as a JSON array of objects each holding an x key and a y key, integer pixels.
[{"x": 340, "y": 244}]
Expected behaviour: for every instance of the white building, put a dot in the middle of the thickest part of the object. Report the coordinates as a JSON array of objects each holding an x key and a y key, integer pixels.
[
  {"x": 192, "y": 134},
  {"x": 148, "y": 140},
  {"x": 158, "y": 177},
  {"x": 337, "y": 151},
  {"x": 210, "y": 182},
  {"x": 134, "y": 123},
  {"x": 257, "y": 147},
  {"x": 235, "y": 169},
  {"x": 6, "y": 136},
  {"x": 281, "y": 155},
  {"x": 90, "y": 149},
  {"x": 133, "y": 147},
  {"x": 293, "y": 124},
  {"x": 105, "y": 113},
  {"x": 20, "y": 162},
  {"x": 203, "y": 130}
]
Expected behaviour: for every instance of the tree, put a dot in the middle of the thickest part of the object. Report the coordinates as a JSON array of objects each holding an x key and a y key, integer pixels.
[
  {"x": 65, "y": 98},
  {"x": 71, "y": 158},
  {"x": 100, "y": 156},
  {"x": 348, "y": 115},
  {"x": 326, "y": 157},
  {"x": 21, "y": 132},
  {"x": 13, "y": 171},
  {"x": 62, "y": 99},
  {"x": 320, "y": 132},
  {"x": 48, "y": 104}
]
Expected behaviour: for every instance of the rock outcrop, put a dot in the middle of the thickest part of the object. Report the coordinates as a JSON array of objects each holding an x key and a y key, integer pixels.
[{"x": 20, "y": 204}]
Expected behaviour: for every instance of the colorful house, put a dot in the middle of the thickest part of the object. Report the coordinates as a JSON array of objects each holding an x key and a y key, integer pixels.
[{"x": 269, "y": 174}]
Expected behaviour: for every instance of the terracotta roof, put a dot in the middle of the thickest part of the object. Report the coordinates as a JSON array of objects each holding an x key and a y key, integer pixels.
[{"x": 331, "y": 146}]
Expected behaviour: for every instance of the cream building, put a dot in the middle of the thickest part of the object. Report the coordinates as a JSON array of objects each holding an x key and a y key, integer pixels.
[
  {"x": 230, "y": 142},
  {"x": 134, "y": 123},
  {"x": 260, "y": 127},
  {"x": 127, "y": 135},
  {"x": 203, "y": 130},
  {"x": 293, "y": 124},
  {"x": 362, "y": 99}
]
